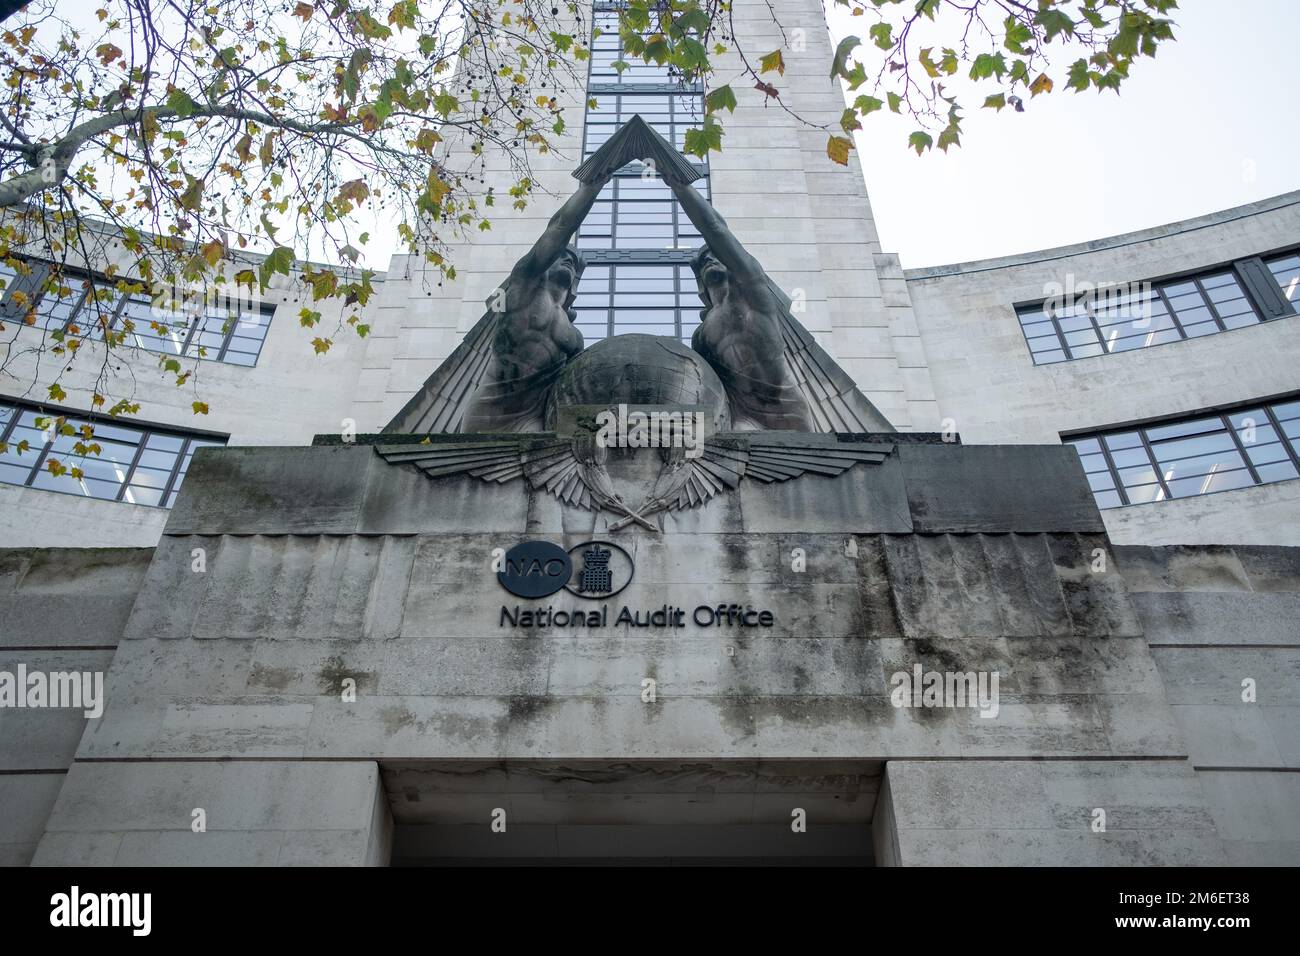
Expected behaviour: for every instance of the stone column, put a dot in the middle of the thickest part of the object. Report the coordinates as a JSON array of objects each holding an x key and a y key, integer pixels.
[
  {"x": 1043, "y": 813},
  {"x": 254, "y": 813}
]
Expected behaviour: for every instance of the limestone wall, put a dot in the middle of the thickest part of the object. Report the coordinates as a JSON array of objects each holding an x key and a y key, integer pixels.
[
  {"x": 60, "y": 610},
  {"x": 1216, "y": 618},
  {"x": 330, "y": 565}
]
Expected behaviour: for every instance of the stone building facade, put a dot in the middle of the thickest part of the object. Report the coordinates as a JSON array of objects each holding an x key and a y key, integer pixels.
[{"x": 1136, "y": 593}]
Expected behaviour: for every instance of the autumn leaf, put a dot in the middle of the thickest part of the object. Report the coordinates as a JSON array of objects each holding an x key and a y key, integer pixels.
[
  {"x": 837, "y": 148},
  {"x": 213, "y": 252},
  {"x": 426, "y": 139},
  {"x": 773, "y": 61},
  {"x": 192, "y": 197},
  {"x": 304, "y": 10},
  {"x": 200, "y": 408}
]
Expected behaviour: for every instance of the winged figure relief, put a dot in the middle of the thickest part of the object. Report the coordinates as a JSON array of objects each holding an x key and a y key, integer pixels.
[
  {"x": 753, "y": 368},
  {"x": 573, "y": 469}
]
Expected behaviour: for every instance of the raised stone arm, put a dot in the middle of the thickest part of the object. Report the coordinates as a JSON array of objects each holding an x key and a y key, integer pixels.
[
  {"x": 717, "y": 235},
  {"x": 557, "y": 234}
]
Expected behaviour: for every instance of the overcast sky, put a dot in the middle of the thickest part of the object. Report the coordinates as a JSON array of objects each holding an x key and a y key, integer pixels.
[{"x": 1209, "y": 124}]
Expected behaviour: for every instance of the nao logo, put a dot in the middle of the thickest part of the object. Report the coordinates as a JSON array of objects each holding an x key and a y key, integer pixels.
[{"x": 593, "y": 569}]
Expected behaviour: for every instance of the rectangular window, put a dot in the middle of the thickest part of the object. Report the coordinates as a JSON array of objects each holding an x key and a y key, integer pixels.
[
  {"x": 671, "y": 115},
  {"x": 86, "y": 305},
  {"x": 651, "y": 299},
  {"x": 137, "y": 464},
  {"x": 1146, "y": 314},
  {"x": 632, "y": 212},
  {"x": 1286, "y": 270},
  {"x": 607, "y": 50},
  {"x": 1251, "y": 445}
]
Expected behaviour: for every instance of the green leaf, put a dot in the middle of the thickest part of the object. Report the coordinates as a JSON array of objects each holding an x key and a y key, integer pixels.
[
  {"x": 180, "y": 101},
  {"x": 691, "y": 56},
  {"x": 193, "y": 195},
  {"x": 931, "y": 68},
  {"x": 920, "y": 142},
  {"x": 866, "y": 105},
  {"x": 839, "y": 61},
  {"x": 693, "y": 19},
  {"x": 988, "y": 64},
  {"x": 700, "y": 141},
  {"x": 950, "y": 136},
  {"x": 445, "y": 104},
  {"x": 882, "y": 34},
  {"x": 1078, "y": 76},
  {"x": 1054, "y": 22},
  {"x": 1018, "y": 35},
  {"x": 721, "y": 98},
  {"x": 997, "y": 101}
]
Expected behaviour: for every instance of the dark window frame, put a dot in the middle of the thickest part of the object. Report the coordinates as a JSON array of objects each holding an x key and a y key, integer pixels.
[
  {"x": 614, "y": 256},
  {"x": 618, "y": 80},
  {"x": 683, "y": 286},
  {"x": 143, "y": 430},
  {"x": 676, "y": 124},
  {"x": 90, "y": 281},
  {"x": 619, "y": 202},
  {"x": 1265, "y": 300},
  {"x": 1291, "y": 446}
]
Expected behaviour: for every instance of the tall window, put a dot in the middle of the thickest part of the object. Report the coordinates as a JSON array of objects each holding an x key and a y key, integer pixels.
[
  {"x": 1198, "y": 455},
  {"x": 135, "y": 464},
  {"x": 637, "y": 239},
  {"x": 1145, "y": 314}
]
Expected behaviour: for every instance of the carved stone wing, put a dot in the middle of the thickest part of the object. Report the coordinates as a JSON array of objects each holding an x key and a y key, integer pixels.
[
  {"x": 550, "y": 466},
  {"x": 835, "y": 401},
  {"x": 724, "y": 463},
  {"x": 440, "y": 404}
]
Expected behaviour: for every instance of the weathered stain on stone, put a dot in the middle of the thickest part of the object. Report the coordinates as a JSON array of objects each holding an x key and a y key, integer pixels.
[
  {"x": 272, "y": 678},
  {"x": 396, "y": 719},
  {"x": 331, "y": 676}
]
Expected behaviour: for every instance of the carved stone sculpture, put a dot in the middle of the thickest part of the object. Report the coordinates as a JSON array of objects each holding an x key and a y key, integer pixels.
[
  {"x": 504, "y": 375},
  {"x": 534, "y": 335}
]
